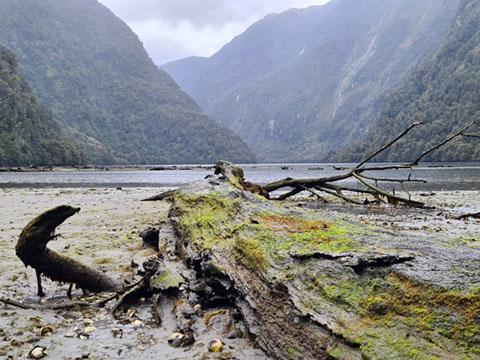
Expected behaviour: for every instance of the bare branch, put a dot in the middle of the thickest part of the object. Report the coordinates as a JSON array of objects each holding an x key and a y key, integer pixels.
[
  {"x": 458, "y": 133},
  {"x": 390, "y": 143}
]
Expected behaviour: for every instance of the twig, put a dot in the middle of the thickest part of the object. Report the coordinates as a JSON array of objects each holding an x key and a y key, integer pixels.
[
  {"x": 133, "y": 288},
  {"x": 313, "y": 193},
  {"x": 466, "y": 216},
  {"x": 162, "y": 196},
  {"x": 392, "y": 199},
  {"x": 471, "y": 135},
  {"x": 156, "y": 311},
  {"x": 394, "y": 180},
  {"x": 66, "y": 306}
]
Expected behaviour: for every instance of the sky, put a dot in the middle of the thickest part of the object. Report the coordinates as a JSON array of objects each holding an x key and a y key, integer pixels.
[{"x": 175, "y": 29}]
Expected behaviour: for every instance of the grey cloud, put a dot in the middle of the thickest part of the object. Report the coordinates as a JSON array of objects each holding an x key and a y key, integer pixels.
[{"x": 199, "y": 13}]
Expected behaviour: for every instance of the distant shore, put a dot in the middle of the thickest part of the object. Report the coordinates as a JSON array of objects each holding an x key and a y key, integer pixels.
[{"x": 104, "y": 168}]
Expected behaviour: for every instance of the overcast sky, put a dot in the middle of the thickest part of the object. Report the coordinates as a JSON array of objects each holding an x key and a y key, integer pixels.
[{"x": 174, "y": 29}]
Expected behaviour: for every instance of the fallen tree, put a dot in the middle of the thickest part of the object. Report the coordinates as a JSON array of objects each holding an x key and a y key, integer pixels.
[{"x": 330, "y": 185}]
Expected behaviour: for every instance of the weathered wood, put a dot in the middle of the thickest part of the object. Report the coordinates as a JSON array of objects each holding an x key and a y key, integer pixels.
[
  {"x": 32, "y": 249},
  {"x": 162, "y": 196},
  {"x": 326, "y": 184}
]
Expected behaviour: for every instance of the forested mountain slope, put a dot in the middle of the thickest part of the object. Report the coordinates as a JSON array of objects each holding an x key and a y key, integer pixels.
[
  {"x": 28, "y": 133},
  {"x": 92, "y": 71},
  {"x": 299, "y": 84},
  {"x": 444, "y": 93}
]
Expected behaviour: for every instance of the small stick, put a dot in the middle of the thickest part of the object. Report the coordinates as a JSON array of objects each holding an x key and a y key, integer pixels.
[{"x": 156, "y": 311}]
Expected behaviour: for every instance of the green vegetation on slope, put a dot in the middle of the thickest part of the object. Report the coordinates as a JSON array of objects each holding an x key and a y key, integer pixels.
[
  {"x": 28, "y": 133},
  {"x": 92, "y": 71},
  {"x": 299, "y": 84},
  {"x": 444, "y": 93}
]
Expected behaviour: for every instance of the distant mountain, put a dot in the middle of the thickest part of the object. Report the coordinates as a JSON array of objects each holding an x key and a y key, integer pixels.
[
  {"x": 444, "y": 93},
  {"x": 92, "y": 71},
  {"x": 28, "y": 133},
  {"x": 301, "y": 83}
]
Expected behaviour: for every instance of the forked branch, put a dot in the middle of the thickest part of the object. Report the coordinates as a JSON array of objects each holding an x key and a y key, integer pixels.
[{"x": 330, "y": 185}]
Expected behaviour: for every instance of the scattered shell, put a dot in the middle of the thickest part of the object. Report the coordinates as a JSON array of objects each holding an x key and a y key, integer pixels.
[
  {"x": 138, "y": 322},
  {"x": 215, "y": 346},
  {"x": 89, "y": 329},
  {"x": 198, "y": 310},
  {"x": 176, "y": 339},
  {"x": 83, "y": 336},
  {"x": 46, "y": 330},
  {"x": 37, "y": 352}
]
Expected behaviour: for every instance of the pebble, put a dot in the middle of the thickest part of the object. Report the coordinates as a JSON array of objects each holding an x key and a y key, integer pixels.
[
  {"x": 37, "y": 352},
  {"x": 215, "y": 346}
]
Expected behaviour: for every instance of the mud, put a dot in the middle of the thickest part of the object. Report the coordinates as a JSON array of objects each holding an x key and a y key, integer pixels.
[{"x": 105, "y": 234}]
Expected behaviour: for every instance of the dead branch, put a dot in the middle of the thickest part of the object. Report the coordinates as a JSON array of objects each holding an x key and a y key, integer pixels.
[
  {"x": 466, "y": 216},
  {"x": 472, "y": 135},
  {"x": 329, "y": 184},
  {"x": 32, "y": 249},
  {"x": 390, "y": 143},
  {"x": 132, "y": 291},
  {"x": 156, "y": 311},
  {"x": 450, "y": 138},
  {"x": 162, "y": 196}
]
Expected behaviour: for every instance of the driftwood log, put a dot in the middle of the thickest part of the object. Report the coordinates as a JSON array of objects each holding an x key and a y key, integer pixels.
[{"x": 32, "y": 249}]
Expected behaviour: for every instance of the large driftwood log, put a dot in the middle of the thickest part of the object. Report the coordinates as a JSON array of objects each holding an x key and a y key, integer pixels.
[{"x": 32, "y": 249}]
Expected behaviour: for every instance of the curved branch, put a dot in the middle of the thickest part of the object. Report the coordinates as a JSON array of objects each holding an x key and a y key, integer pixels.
[{"x": 32, "y": 249}]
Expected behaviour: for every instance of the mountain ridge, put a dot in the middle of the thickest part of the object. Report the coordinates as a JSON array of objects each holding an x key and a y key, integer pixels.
[
  {"x": 443, "y": 93},
  {"x": 295, "y": 96},
  {"x": 91, "y": 70}
]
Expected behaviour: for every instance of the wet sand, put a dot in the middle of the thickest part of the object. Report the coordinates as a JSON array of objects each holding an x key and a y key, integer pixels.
[{"x": 105, "y": 234}]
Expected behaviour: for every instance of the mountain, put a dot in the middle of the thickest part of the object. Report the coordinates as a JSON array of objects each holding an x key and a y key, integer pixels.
[
  {"x": 444, "y": 93},
  {"x": 299, "y": 84},
  {"x": 92, "y": 71},
  {"x": 28, "y": 133}
]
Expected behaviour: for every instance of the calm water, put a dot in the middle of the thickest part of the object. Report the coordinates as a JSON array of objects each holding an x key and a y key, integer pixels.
[{"x": 440, "y": 176}]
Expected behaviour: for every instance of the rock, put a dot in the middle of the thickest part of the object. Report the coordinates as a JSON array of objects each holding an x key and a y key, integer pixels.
[
  {"x": 38, "y": 352},
  {"x": 166, "y": 279},
  {"x": 176, "y": 339},
  {"x": 150, "y": 238}
]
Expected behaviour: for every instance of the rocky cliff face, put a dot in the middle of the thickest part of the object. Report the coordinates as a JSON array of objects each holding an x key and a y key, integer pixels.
[
  {"x": 299, "y": 84},
  {"x": 332, "y": 284}
]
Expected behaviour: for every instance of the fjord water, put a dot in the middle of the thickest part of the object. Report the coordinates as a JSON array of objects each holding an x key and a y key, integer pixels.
[{"x": 440, "y": 176}]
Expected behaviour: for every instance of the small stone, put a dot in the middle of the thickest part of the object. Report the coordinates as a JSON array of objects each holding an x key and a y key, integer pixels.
[
  {"x": 46, "y": 330},
  {"x": 37, "y": 352},
  {"x": 176, "y": 339},
  {"x": 89, "y": 329},
  {"x": 116, "y": 332},
  {"x": 198, "y": 310},
  {"x": 215, "y": 346},
  {"x": 138, "y": 322}
]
